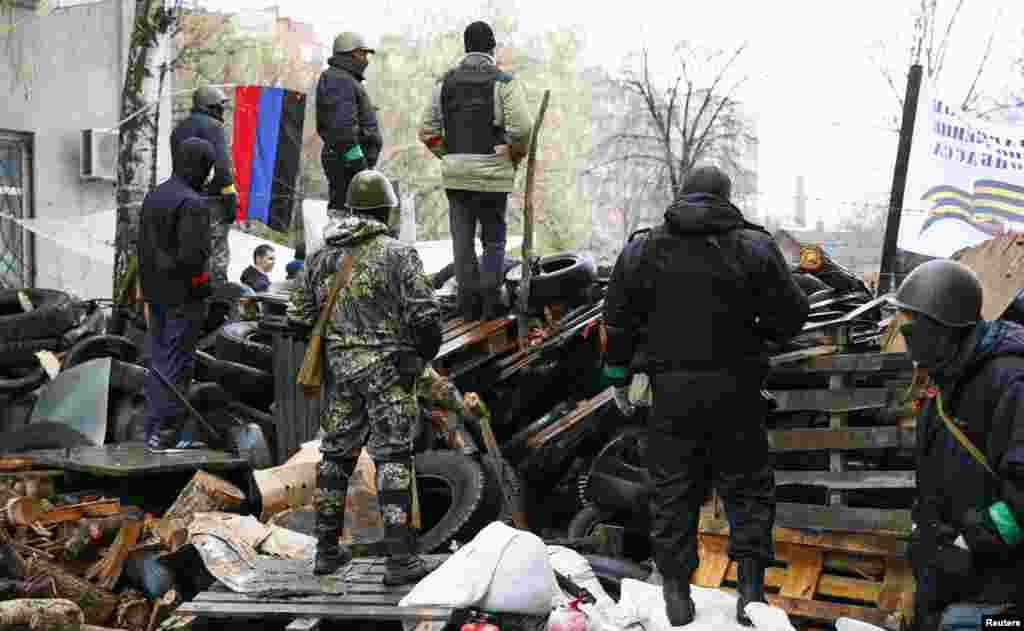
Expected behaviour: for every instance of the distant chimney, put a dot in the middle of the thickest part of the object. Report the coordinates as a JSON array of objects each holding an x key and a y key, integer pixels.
[
  {"x": 821, "y": 225},
  {"x": 800, "y": 214}
]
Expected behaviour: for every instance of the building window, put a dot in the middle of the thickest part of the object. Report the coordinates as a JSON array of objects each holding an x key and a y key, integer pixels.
[{"x": 16, "y": 256}]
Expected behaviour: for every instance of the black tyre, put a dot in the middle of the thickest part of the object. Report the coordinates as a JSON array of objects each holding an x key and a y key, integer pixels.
[
  {"x": 42, "y": 434},
  {"x": 53, "y": 314},
  {"x": 245, "y": 343},
  {"x": 584, "y": 522},
  {"x": 452, "y": 489},
  {"x": 810, "y": 283},
  {"x": 561, "y": 276},
  {"x": 93, "y": 323},
  {"x": 97, "y": 346},
  {"x": 22, "y": 352},
  {"x": 252, "y": 386}
]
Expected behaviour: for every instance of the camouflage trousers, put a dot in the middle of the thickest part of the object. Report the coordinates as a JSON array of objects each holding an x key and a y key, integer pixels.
[
  {"x": 220, "y": 252},
  {"x": 379, "y": 411}
]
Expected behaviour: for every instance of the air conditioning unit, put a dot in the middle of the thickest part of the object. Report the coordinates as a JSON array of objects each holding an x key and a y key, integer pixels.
[{"x": 99, "y": 154}]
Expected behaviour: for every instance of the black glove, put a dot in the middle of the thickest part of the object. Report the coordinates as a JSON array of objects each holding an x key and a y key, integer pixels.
[
  {"x": 981, "y": 535},
  {"x": 229, "y": 201},
  {"x": 428, "y": 339}
]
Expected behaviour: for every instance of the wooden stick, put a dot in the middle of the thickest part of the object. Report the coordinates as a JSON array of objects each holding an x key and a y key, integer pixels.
[{"x": 524, "y": 286}]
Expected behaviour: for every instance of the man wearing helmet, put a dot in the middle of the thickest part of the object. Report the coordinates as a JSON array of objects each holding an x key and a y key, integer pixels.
[
  {"x": 385, "y": 326},
  {"x": 345, "y": 119},
  {"x": 207, "y": 122},
  {"x": 693, "y": 303},
  {"x": 970, "y": 450}
]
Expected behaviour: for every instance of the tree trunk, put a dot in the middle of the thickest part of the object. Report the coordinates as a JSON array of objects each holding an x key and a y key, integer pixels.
[
  {"x": 204, "y": 493},
  {"x": 96, "y": 603}
]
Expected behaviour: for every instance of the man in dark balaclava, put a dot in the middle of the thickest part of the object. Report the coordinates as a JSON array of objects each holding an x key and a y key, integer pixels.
[
  {"x": 478, "y": 125},
  {"x": 970, "y": 450},
  {"x": 346, "y": 120},
  {"x": 174, "y": 250},
  {"x": 692, "y": 304}
]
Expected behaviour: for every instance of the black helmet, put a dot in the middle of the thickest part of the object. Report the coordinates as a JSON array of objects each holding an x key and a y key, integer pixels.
[
  {"x": 945, "y": 291},
  {"x": 210, "y": 100}
]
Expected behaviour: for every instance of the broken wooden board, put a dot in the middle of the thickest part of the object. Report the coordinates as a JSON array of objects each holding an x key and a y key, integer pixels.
[
  {"x": 568, "y": 421},
  {"x": 476, "y": 336},
  {"x": 862, "y": 363},
  {"x": 816, "y": 583},
  {"x": 842, "y": 439},
  {"x": 835, "y": 519},
  {"x": 354, "y": 593},
  {"x": 133, "y": 459},
  {"x": 838, "y": 400},
  {"x": 845, "y": 480},
  {"x": 999, "y": 266}
]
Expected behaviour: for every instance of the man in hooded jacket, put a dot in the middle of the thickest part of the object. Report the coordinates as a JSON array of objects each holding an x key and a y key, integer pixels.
[
  {"x": 385, "y": 326},
  {"x": 966, "y": 548},
  {"x": 174, "y": 250},
  {"x": 206, "y": 121},
  {"x": 477, "y": 124},
  {"x": 692, "y": 303},
  {"x": 346, "y": 120}
]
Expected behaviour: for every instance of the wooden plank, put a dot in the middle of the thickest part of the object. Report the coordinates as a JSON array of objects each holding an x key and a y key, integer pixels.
[
  {"x": 714, "y": 562},
  {"x": 797, "y": 358},
  {"x": 843, "y": 400},
  {"x": 567, "y": 422},
  {"x": 849, "y": 479},
  {"x": 855, "y": 543},
  {"x": 898, "y": 588},
  {"x": 473, "y": 336},
  {"x": 848, "y": 438},
  {"x": 828, "y": 585},
  {"x": 382, "y": 599},
  {"x": 820, "y": 610},
  {"x": 803, "y": 571},
  {"x": 329, "y": 611},
  {"x": 869, "y": 363},
  {"x": 459, "y": 329},
  {"x": 844, "y": 519},
  {"x": 303, "y": 624}
]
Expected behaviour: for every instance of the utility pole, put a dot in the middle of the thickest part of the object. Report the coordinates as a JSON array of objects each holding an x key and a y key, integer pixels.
[{"x": 887, "y": 273}]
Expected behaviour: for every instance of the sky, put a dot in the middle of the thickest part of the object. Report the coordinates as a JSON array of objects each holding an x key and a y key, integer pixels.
[{"x": 812, "y": 69}]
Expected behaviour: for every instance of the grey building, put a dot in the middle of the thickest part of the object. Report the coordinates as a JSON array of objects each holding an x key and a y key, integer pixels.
[{"x": 61, "y": 72}]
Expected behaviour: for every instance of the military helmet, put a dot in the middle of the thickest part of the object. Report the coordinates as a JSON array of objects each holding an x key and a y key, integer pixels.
[
  {"x": 207, "y": 98},
  {"x": 945, "y": 291},
  {"x": 348, "y": 41}
]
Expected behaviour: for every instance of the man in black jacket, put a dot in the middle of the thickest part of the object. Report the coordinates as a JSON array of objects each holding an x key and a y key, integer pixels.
[
  {"x": 692, "y": 303},
  {"x": 207, "y": 122},
  {"x": 174, "y": 249},
  {"x": 256, "y": 276},
  {"x": 966, "y": 548},
  {"x": 345, "y": 119}
]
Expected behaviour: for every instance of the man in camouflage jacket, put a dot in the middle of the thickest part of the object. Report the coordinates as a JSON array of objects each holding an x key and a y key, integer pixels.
[{"x": 384, "y": 328}]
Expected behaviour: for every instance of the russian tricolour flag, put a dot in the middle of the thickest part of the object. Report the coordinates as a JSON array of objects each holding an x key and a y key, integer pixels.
[{"x": 267, "y": 148}]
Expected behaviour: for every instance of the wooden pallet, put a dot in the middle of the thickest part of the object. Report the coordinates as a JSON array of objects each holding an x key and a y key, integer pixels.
[
  {"x": 463, "y": 341},
  {"x": 360, "y": 596},
  {"x": 823, "y": 576}
]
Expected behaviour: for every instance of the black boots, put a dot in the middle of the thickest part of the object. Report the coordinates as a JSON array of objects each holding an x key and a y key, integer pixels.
[
  {"x": 678, "y": 605},
  {"x": 332, "y": 488},
  {"x": 750, "y": 585},
  {"x": 331, "y": 556},
  {"x": 404, "y": 566}
]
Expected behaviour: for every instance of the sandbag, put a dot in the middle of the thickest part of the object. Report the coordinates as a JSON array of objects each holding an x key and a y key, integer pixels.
[{"x": 502, "y": 570}]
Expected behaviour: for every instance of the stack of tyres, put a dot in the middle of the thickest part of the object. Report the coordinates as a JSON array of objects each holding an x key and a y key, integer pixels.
[{"x": 296, "y": 419}]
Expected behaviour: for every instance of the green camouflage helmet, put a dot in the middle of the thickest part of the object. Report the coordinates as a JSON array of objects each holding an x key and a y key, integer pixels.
[
  {"x": 207, "y": 97},
  {"x": 370, "y": 192},
  {"x": 349, "y": 41}
]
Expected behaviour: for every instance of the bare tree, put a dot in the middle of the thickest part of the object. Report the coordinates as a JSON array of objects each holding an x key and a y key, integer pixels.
[
  {"x": 929, "y": 48},
  {"x": 658, "y": 134}
]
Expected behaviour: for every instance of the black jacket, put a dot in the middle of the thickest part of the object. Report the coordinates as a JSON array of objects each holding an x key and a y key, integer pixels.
[
  {"x": 210, "y": 129},
  {"x": 174, "y": 232},
  {"x": 344, "y": 114},
  {"x": 984, "y": 392},
  {"x": 703, "y": 290},
  {"x": 255, "y": 279}
]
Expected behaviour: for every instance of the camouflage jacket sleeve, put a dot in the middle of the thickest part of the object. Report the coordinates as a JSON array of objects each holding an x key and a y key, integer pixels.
[
  {"x": 417, "y": 294},
  {"x": 303, "y": 307}
]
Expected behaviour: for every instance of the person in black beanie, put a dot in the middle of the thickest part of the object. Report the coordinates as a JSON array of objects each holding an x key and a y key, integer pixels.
[{"x": 478, "y": 125}]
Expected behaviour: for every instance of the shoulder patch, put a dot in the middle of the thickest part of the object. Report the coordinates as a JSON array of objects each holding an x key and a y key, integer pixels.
[
  {"x": 642, "y": 232},
  {"x": 503, "y": 76}
]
